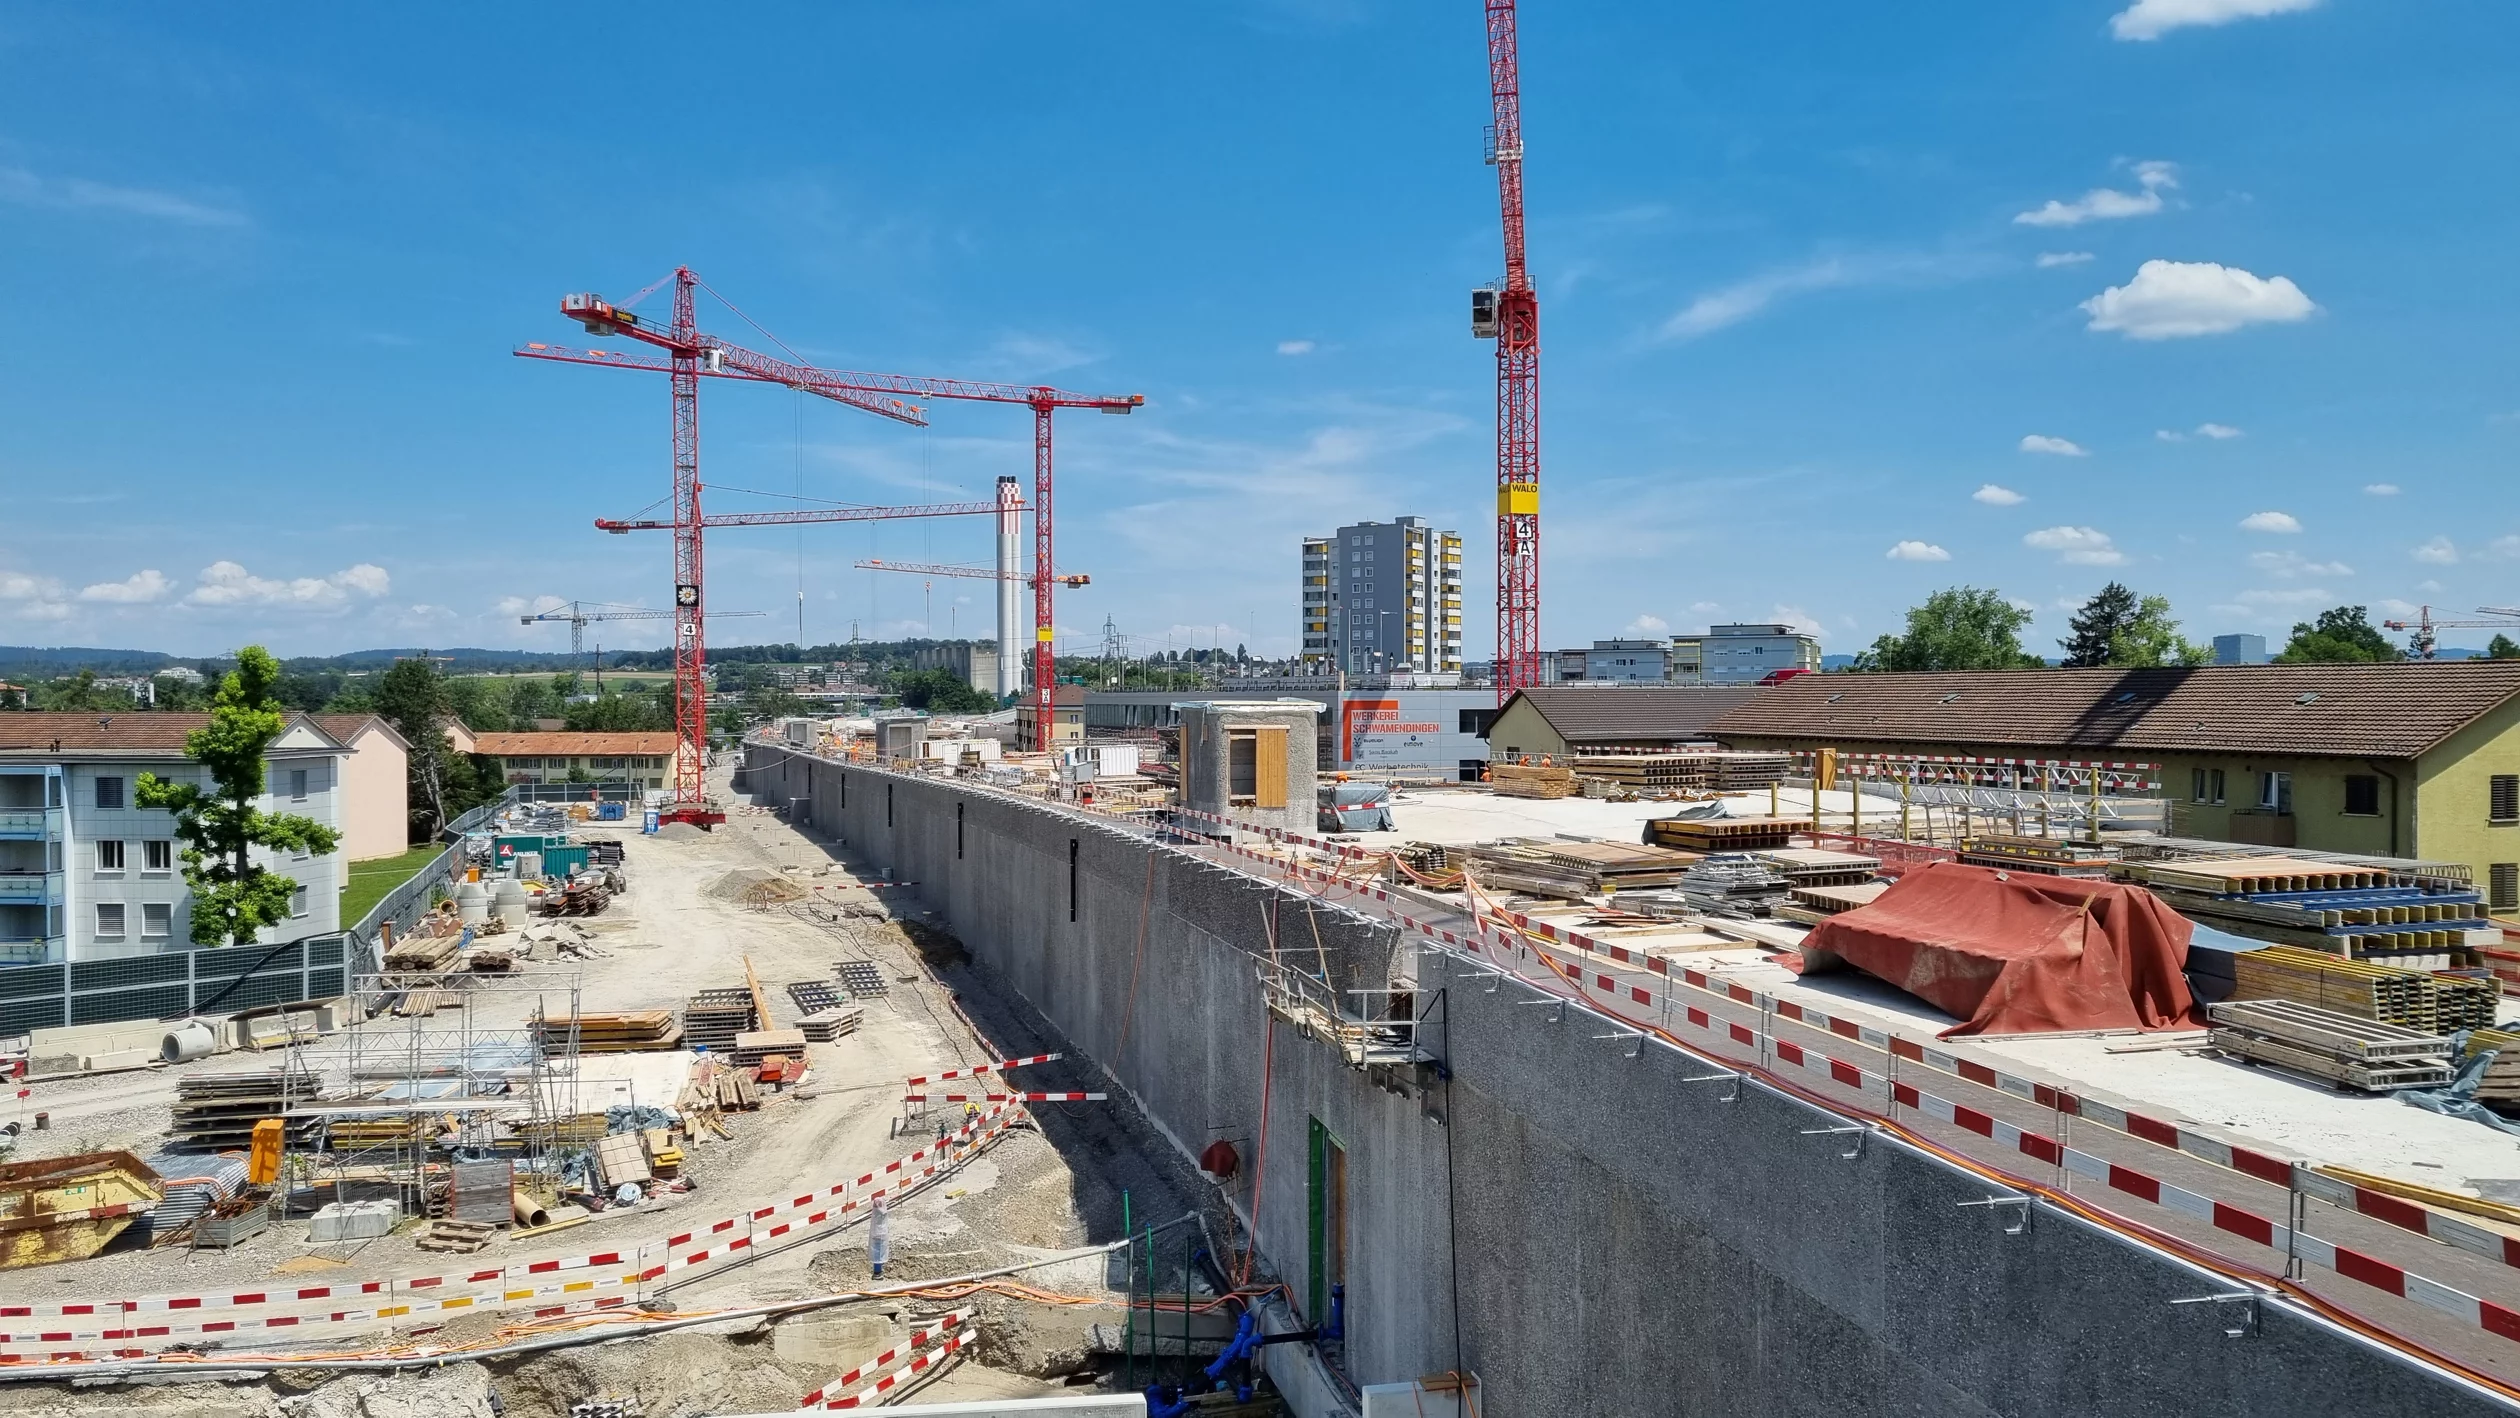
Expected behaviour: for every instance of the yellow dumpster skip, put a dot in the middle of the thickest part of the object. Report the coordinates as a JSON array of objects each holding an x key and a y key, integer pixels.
[{"x": 68, "y": 1208}]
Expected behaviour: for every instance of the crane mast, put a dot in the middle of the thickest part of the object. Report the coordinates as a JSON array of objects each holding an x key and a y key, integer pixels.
[{"x": 1510, "y": 314}]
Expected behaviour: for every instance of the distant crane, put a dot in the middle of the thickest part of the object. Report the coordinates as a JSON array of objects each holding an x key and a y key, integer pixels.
[
  {"x": 690, "y": 354},
  {"x": 1510, "y": 315},
  {"x": 869, "y": 390},
  {"x": 2423, "y": 642},
  {"x": 980, "y": 573},
  {"x": 579, "y": 613}
]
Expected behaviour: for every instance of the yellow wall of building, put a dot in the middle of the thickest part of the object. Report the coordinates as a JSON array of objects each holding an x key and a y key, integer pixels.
[{"x": 2452, "y": 794}]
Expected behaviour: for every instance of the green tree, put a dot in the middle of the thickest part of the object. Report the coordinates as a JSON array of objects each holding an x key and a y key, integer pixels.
[
  {"x": 940, "y": 692},
  {"x": 2150, "y": 638},
  {"x": 2502, "y": 647},
  {"x": 11, "y": 697},
  {"x": 412, "y": 696},
  {"x": 765, "y": 702},
  {"x": 178, "y": 693},
  {"x": 529, "y": 700},
  {"x": 2095, "y": 627},
  {"x": 1962, "y": 628},
  {"x": 613, "y": 712},
  {"x": 79, "y": 694},
  {"x": 232, "y": 897},
  {"x": 2343, "y": 636}
]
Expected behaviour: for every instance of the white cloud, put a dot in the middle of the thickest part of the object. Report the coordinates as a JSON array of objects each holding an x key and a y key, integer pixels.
[
  {"x": 77, "y": 194},
  {"x": 2504, "y": 549},
  {"x": 2283, "y": 522},
  {"x": 1646, "y": 625},
  {"x": 2061, "y": 447},
  {"x": 2062, "y": 258},
  {"x": 1706, "y": 607},
  {"x": 140, "y": 588},
  {"x": 533, "y": 605},
  {"x": 2171, "y": 300},
  {"x": 2169, "y": 435},
  {"x": 1738, "y": 302},
  {"x": 2381, "y": 489},
  {"x": 2428, "y": 586},
  {"x": 32, "y": 597},
  {"x": 2076, "y": 546},
  {"x": 2440, "y": 551},
  {"x": 1996, "y": 496},
  {"x": 1295, "y": 347},
  {"x": 224, "y": 583},
  {"x": 2106, "y": 203},
  {"x": 1918, "y": 551},
  {"x": 2151, "y": 19},
  {"x": 2293, "y": 563},
  {"x": 2216, "y": 431}
]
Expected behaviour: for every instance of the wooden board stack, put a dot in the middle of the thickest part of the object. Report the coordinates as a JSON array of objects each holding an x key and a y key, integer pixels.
[
  {"x": 2410, "y": 998},
  {"x": 1572, "y": 870},
  {"x": 625, "y": 1032},
  {"x": 216, "y": 1112},
  {"x": 1721, "y": 834},
  {"x": 1711, "y": 771},
  {"x": 825, "y": 1026},
  {"x": 2344, "y": 1049},
  {"x": 1532, "y": 780}
]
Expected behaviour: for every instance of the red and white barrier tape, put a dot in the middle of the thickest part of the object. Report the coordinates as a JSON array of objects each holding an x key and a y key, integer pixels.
[
  {"x": 918, "y": 1339},
  {"x": 904, "y": 1374},
  {"x": 1004, "y": 1097},
  {"x": 1000, "y": 1066},
  {"x": 2261, "y": 1165}
]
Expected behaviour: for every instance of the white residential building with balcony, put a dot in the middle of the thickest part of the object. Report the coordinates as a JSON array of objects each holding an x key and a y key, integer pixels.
[{"x": 88, "y": 874}]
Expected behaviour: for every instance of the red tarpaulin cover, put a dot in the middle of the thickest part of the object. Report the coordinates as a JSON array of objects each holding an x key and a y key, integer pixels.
[{"x": 2013, "y": 952}]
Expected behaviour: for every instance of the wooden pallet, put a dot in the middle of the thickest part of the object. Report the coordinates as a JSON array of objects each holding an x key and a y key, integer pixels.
[{"x": 1721, "y": 834}]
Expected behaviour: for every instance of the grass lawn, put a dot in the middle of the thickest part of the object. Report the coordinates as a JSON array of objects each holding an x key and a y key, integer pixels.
[{"x": 369, "y": 881}]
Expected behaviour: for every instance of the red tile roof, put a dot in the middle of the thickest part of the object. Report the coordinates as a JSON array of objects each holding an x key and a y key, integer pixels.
[
  {"x": 2381, "y": 711},
  {"x": 152, "y": 732},
  {"x": 1615, "y": 713}
]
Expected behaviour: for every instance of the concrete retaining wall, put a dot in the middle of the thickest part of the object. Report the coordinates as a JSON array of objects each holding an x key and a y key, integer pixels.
[{"x": 1598, "y": 1234}]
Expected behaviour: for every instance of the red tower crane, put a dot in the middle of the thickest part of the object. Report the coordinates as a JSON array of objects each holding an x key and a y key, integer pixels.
[
  {"x": 851, "y": 386},
  {"x": 2425, "y": 644},
  {"x": 1510, "y": 315},
  {"x": 691, "y": 354},
  {"x": 977, "y": 573}
]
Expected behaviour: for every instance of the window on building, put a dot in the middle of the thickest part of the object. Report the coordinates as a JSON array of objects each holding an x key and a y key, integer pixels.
[
  {"x": 109, "y": 856},
  {"x": 109, "y": 793},
  {"x": 2503, "y": 803},
  {"x": 2209, "y": 785},
  {"x": 2362, "y": 795},
  {"x": 297, "y": 902},
  {"x": 157, "y": 854},
  {"x": 109, "y": 920},
  {"x": 157, "y": 920},
  {"x": 297, "y": 785},
  {"x": 2275, "y": 792},
  {"x": 2503, "y": 886}
]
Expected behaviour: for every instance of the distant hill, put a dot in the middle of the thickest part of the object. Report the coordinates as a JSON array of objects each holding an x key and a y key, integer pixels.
[{"x": 47, "y": 661}]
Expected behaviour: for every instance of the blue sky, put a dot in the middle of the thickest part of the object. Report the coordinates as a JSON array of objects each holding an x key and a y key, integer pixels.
[{"x": 1841, "y": 303}]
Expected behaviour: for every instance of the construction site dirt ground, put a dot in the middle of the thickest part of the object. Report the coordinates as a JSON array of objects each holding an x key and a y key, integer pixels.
[{"x": 1042, "y": 1190}]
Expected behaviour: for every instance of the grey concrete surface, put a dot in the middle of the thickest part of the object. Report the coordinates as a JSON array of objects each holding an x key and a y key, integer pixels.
[{"x": 1591, "y": 1233}]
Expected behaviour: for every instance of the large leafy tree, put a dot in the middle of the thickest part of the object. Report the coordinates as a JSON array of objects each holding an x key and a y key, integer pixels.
[
  {"x": 941, "y": 691},
  {"x": 233, "y": 897},
  {"x": 1962, "y": 628},
  {"x": 2342, "y": 636},
  {"x": 2502, "y": 647},
  {"x": 418, "y": 700}
]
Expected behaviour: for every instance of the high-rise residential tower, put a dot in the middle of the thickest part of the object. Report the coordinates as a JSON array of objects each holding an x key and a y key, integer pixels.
[{"x": 1383, "y": 598}]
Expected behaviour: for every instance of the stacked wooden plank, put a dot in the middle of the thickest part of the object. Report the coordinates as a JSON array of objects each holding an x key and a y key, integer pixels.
[
  {"x": 713, "y": 1018},
  {"x": 1818, "y": 866},
  {"x": 424, "y": 955},
  {"x": 754, "y": 1045},
  {"x": 623, "y": 1032},
  {"x": 824, "y": 1026},
  {"x": 2411, "y": 998},
  {"x": 1707, "y": 771},
  {"x": 2422, "y": 923},
  {"x": 2350, "y": 1050},
  {"x": 216, "y": 1112},
  {"x": 1572, "y": 870},
  {"x": 2049, "y": 856},
  {"x": 2499, "y": 1089},
  {"x": 1533, "y": 780},
  {"x": 1721, "y": 834}
]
